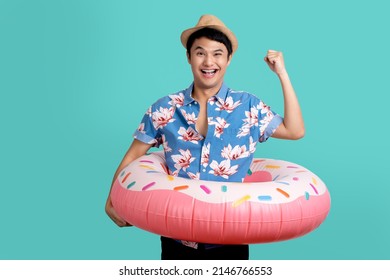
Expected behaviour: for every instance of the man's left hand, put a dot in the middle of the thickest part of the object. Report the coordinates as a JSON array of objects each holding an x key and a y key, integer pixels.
[{"x": 275, "y": 61}]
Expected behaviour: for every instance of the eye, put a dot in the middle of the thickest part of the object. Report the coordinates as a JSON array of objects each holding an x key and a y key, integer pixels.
[
  {"x": 218, "y": 54},
  {"x": 199, "y": 53}
]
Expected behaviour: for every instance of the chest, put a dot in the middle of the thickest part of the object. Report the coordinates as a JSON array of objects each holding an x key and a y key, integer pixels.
[
  {"x": 208, "y": 121},
  {"x": 209, "y": 142},
  {"x": 201, "y": 122}
]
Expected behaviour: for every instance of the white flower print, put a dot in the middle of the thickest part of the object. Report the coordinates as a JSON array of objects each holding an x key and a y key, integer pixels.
[
  {"x": 234, "y": 153},
  {"x": 244, "y": 130},
  {"x": 141, "y": 128},
  {"x": 212, "y": 100},
  {"x": 264, "y": 109},
  {"x": 165, "y": 144},
  {"x": 176, "y": 99},
  {"x": 236, "y": 124},
  {"x": 190, "y": 118},
  {"x": 183, "y": 160},
  {"x": 205, "y": 155},
  {"x": 194, "y": 176},
  {"x": 252, "y": 119},
  {"x": 189, "y": 134},
  {"x": 264, "y": 122},
  {"x": 162, "y": 117},
  {"x": 220, "y": 125},
  {"x": 228, "y": 105},
  {"x": 149, "y": 111},
  {"x": 223, "y": 169},
  {"x": 252, "y": 145}
]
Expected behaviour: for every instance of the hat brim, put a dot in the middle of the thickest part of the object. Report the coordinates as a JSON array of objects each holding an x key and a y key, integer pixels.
[{"x": 187, "y": 33}]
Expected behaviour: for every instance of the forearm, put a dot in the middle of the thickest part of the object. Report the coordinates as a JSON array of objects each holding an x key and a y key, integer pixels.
[
  {"x": 292, "y": 126},
  {"x": 293, "y": 120}
]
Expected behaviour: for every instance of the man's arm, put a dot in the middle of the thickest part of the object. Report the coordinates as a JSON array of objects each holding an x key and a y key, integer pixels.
[
  {"x": 136, "y": 150},
  {"x": 292, "y": 126}
]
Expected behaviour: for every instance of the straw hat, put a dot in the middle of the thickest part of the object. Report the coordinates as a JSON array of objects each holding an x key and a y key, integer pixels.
[{"x": 210, "y": 21}]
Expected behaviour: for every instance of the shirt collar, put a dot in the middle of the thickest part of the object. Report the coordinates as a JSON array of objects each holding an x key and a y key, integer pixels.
[{"x": 221, "y": 95}]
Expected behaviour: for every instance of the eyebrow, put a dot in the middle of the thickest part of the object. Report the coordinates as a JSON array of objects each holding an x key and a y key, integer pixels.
[{"x": 200, "y": 48}]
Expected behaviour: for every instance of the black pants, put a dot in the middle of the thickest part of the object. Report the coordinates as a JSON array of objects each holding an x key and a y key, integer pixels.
[{"x": 173, "y": 250}]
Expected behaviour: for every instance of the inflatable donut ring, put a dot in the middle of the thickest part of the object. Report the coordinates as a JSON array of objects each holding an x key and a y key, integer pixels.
[{"x": 279, "y": 200}]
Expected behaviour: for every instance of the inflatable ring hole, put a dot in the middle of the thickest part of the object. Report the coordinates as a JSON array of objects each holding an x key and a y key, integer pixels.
[{"x": 258, "y": 176}]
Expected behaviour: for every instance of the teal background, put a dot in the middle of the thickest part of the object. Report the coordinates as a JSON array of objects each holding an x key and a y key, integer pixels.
[{"x": 77, "y": 76}]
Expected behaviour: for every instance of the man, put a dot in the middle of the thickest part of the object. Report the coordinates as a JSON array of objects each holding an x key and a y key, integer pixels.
[{"x": 209, "y": 131}]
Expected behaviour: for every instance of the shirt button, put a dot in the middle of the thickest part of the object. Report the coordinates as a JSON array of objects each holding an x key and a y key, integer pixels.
[
  {"x": 195, "y": 102},
  {"x": 204, "y": 170}
]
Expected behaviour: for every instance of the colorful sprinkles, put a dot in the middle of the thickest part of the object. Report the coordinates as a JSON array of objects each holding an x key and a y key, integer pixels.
[
  {"x": 147, "y": 186},
  {"x": 272, "y": 166},
  {"x": 240, "y": 201},
  {"x": 181, "y": 188},
  {"x": 146, "y": 166},
  {"x": 205, "y": 189},
  {"x": 146, "y": 161},
  {"x": 283, "y": 192},
  {"x": 264, "y": 197},
  {"x": 289, "y": 181},
  {"x": 314, "y": 188},
  {"x": 124, "y": 178}
]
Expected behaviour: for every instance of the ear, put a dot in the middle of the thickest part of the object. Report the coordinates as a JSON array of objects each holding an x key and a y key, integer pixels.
[
  {"x": 188, "y": 58},
  {"x": 229, "y": 59}
]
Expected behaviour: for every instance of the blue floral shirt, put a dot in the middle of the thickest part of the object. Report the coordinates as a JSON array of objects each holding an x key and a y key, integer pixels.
[{"x": 237, "y": 121}]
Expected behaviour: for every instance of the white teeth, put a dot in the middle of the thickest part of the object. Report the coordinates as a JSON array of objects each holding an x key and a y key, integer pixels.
[{"x": 209, "y": 71}]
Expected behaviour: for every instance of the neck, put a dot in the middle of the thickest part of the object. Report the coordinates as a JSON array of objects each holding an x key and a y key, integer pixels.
[{"x": 203, "y": 94}]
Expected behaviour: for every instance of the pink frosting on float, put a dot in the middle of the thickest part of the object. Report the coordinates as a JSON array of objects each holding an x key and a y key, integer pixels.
[
  {"x": 180, "y": 216},
  {"x": 278, "y": 200}
]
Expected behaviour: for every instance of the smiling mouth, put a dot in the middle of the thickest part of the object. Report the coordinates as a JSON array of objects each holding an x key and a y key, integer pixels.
[{"x": 209, "y": 73}]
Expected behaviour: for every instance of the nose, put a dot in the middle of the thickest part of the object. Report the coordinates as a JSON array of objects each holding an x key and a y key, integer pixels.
[{"x": 208, "y": 60}]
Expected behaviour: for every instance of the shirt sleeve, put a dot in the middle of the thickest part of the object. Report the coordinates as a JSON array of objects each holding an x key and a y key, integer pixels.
[
  {"x": 268, "y": 121},
  {"x": 146, "y": 132}
]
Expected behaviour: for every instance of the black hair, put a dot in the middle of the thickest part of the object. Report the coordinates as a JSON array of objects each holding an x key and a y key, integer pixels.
[{"x": 212, "y": 34}]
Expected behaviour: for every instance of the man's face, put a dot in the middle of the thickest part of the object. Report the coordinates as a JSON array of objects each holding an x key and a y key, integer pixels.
[{"x": 209, "y": 60}]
